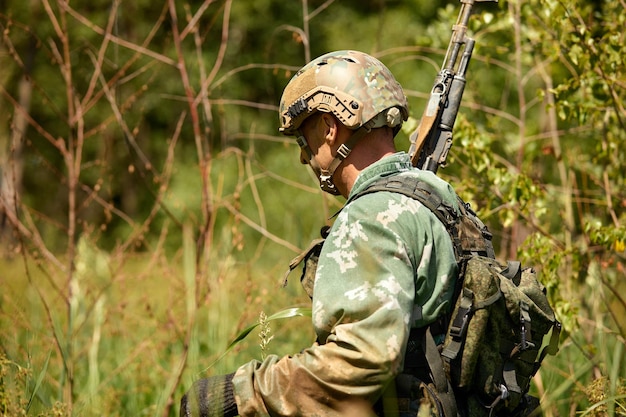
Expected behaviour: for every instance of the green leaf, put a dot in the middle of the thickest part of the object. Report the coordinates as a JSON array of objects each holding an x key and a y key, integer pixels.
[{"x": 40, "y": 377}]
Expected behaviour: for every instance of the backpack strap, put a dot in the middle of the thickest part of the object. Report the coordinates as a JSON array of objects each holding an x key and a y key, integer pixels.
[
  {"x": 421, "y": 191},
  {"x": 427, "y": 373},
  {"x": 445, "y": 393},
  {"x": 468, "y": 233}
]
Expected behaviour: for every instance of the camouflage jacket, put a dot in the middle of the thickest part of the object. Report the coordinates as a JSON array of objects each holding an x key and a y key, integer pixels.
[{"x": 386, "y": 266}]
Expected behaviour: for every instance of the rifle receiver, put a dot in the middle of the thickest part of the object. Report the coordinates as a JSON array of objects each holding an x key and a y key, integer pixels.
[{"x": 432, "y": 139}]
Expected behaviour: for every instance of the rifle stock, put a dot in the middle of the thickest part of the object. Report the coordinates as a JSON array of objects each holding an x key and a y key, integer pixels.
[{"x": 431, "y": 141}]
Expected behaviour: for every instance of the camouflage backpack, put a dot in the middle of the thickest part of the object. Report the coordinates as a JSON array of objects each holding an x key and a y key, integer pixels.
[{"x": 493, "y": 336}]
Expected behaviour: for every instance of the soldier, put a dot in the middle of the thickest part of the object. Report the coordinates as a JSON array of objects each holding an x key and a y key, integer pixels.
[{"x": 387, "y": 265}]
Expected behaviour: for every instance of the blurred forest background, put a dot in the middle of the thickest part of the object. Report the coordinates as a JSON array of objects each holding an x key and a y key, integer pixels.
[{"x": 149, "y": 208}]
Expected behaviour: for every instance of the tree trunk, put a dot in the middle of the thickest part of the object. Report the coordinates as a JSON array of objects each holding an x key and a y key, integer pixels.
[{"x": 12, "y": 164}]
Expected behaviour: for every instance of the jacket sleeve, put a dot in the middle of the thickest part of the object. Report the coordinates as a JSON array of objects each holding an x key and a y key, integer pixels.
[{"x": 362, "y": 313}]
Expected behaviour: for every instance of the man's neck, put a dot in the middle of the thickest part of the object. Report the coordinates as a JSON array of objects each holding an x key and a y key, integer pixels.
[
  {"x": 348, "y": 172},
  {"x": 371, "y": 148}
]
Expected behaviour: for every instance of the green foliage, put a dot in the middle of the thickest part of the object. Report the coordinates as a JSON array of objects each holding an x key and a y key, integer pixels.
[{"x": 148, "y": 207}]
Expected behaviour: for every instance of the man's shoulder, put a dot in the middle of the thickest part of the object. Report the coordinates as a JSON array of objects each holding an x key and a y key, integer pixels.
[{"x": 392, "y": 206}]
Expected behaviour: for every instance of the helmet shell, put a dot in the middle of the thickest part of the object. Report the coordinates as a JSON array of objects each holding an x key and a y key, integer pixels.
[{"x": 352, "y": 85}]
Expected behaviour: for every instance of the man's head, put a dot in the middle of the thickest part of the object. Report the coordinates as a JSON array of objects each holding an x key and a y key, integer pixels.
[{"x": 353, "y": 88}]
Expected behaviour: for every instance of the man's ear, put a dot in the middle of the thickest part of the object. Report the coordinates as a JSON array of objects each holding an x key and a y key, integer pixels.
[{"x": 331, "y": 127}]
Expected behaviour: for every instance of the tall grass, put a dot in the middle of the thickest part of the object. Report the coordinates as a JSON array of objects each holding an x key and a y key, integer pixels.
[{"x": 138, "y": 338}]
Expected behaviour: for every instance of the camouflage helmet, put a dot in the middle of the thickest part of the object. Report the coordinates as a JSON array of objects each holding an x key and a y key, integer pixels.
[{"x": 355, "y": 87}]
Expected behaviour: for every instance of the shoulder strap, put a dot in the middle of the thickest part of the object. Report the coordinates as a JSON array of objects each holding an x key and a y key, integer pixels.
[{"x": 468, "y": 233}]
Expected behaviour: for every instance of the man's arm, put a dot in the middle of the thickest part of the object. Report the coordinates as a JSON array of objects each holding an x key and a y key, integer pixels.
[{"x": 362, "y": 306}]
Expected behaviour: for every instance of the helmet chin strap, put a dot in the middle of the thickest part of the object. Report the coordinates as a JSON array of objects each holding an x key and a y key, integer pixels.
[{"x": 326, "y": 175}]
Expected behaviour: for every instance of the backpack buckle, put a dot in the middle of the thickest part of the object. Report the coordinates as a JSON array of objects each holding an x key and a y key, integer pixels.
[
  {"x": 458, "y": 327},
  {"x": 525, "y": 329}
]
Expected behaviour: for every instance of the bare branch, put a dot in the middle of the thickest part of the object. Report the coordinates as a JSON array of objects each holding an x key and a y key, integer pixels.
[{"x": 119, "y": 41}]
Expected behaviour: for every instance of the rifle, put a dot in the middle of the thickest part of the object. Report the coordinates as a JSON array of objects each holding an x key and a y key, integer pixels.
[{"x": 431, "y": 141}]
